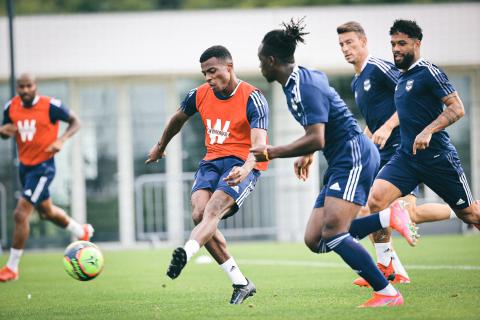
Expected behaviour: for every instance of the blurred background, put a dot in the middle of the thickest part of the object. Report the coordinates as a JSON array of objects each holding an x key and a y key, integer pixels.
[{"x": 125, "y": 65}]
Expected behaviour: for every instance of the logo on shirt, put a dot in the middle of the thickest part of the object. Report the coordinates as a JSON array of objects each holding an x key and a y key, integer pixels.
[
  {"x": 409, "y": 85},
  {"x": 218, "y": 134},
  {"x": 27, "y": 129},
  {"x": 335, "y": 187},
  {"x": 367, "y": 85}
]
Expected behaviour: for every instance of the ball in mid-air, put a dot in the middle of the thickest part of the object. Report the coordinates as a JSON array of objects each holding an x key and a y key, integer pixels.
[{"x": 83, "y": 260}]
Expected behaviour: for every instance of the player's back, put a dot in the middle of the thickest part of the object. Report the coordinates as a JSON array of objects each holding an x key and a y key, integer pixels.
[{"x": 312, "y": 100}]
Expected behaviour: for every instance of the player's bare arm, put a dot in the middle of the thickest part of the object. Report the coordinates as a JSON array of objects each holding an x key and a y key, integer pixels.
[
  {"x": 301, "y": 166},
  {"x": 238, "y": 174},
  {"x": 313, "y": 140},
  {"x": 7, "y": 130},
  {"x": 453, "y": 111},
  {"x": 173, "y": 127},
  {"x": 381, "y": 136},
  {"x": 73, "y": 127},
  {"x": 367, "y": 132}
]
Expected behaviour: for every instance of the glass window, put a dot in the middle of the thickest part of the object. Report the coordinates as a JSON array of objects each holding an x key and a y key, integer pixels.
[{"x": 99, "y": 144}]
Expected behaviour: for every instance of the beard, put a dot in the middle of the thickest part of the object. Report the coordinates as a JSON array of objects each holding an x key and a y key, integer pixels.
[{"x": 406, "y": 62}]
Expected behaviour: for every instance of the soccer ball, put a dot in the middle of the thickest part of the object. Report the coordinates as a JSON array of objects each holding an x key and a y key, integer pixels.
[{"x": 83, "y": 260}]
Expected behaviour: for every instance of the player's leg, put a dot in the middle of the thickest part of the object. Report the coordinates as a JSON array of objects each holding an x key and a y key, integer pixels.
[
  {"x": 337, "y": 215},
  {"x": 446, "y": 177},
  {"x": 20, "y": 236},
  {"x": 217, "y": 246},
  {"x": 428, "y": 212},
  {"x": 58, "y": 216}
]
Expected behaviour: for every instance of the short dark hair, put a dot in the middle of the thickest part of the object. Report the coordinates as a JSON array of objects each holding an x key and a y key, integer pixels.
[
  {"x": 409, "y": 27},
  {"x": 281, "y": 43},
  {"x": 219, "y": 52},
  {"x": 351, "y": 26}
]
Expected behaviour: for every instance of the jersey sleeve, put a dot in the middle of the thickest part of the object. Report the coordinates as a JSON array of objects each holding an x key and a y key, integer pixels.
[
  {"x": 316, "y": 103},
  {"x": 6, "y": 114},
  {"x": 189, "y": 105},
  {"x": 439, "y": 83},
  {"x": 58, "y": 111},
  {"x": 257, "y": 110}
]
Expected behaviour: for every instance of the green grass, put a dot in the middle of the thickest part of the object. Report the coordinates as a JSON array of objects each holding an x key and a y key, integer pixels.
[{"x": 133, "y": 286}]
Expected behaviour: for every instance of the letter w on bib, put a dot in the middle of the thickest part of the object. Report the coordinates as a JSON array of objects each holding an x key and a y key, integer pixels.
[
  {"x": 26, "y": 129},
  {"x": 217, "y": 133}
]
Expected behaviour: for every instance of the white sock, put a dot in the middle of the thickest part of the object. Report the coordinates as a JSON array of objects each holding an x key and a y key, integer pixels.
[
  {"x": 75, "y": 228},
  {"x": 14, "y": 259},
  {"x": 384, "y": 253},
  {"x": 389, "y": 290},
  {"x": 453, "y": 215},
  {"x": 385, "y": 217},
  {"x": 398, "y": 266},
  {"x": 233, "y": 271},
  {"x": 191, "y": 247}
]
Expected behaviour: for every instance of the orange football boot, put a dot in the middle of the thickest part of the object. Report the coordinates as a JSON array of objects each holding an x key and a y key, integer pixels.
[
  {"x": 380, "y": 300},
  {"x": 6, "y": 274}
]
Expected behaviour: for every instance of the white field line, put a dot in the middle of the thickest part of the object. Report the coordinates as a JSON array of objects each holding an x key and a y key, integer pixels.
[{"x": 318, "y": 264}]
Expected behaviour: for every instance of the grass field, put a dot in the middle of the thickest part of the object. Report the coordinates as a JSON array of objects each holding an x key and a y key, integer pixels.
[{"x": 291, "y": 284}]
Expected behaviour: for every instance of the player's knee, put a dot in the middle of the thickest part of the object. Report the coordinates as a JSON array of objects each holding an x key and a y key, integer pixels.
[
  {"x": 333, "y": 225},
  {"x": 376, "y": 202},
  {"x": 197, "y": 214},
  {"x": 20, "y": 215}
]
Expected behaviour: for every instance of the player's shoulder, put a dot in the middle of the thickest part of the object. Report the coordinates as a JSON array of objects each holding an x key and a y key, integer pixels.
[
  {"x": 430, "y": 67},
  {"x": 7, "y": 105},
  {"x": 381, "y": 65},
  {"x": 54, "y": 102}
]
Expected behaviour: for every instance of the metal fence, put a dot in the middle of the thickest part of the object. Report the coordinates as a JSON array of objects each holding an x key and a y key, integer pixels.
[{"x": 254, "y": 220}]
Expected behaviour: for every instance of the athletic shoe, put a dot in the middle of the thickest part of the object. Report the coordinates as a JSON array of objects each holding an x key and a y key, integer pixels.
[
  {"x": 400, "y": 221},
  {"x": 87, "y": 232},
  {"x": 6, "y": 274},
  {"x": 242, "y": 292},
  {"x": 380, "y": 300},
  {"x": 400, "y": 279},
  {"x": 179, "y": 260},
  {"x": 388, "y": 272}
]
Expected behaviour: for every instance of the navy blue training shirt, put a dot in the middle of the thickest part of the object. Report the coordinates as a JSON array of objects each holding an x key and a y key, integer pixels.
[
  {"x": 374, "y": 90},
  {"x": 311, "y": 100},
  {"x": 418, "y": 98}
]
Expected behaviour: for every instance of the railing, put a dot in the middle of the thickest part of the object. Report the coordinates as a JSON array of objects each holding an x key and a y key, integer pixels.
[
  {"x": 3, "y": 217},
  {"x": 254, "y": 220}
]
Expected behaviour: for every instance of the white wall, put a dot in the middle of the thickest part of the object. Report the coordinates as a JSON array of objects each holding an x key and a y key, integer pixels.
[{"x": 170, "y": 42}]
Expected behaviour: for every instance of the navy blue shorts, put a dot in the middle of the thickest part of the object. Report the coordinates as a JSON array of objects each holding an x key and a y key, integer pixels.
[
  {"x": 443, "y": 174},
  {"x": 36, "y": 180},
  {"x": 210, "y": 174},
  {"x": 351, "y": 174},
  {"x": 415, "y": 192}
]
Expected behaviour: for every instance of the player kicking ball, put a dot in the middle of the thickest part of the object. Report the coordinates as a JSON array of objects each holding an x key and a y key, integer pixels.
[
  {"x": 235, "y": 117},
  {"x": 34, "y": 122}
]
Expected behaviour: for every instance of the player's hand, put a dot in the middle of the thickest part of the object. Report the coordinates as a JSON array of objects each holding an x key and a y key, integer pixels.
[
  {"x": 236, "y": 175},
  {"x": 55, "y": 146},
  {"x": 8, "y": 130},
  {"x": 260, "y": 153},
  {"x": 155, "y": 154},
  {"x": 381, "y": 136},
  {"x": 301, "y": 166},
  {"x": 422, "y": 141}
]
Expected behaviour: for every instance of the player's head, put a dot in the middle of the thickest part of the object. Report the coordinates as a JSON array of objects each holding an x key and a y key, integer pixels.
[
  {"x": 406, "y": 37},
  {"x": 353, "y": 41},
  {"x": 278, "y": 47},
  {"x": 27, "y": 88},
  {"x": 217, "y": 67}
]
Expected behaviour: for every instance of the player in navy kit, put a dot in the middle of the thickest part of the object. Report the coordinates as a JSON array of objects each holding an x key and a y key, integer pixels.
[
  {"x": 352, "y": 159},
  {"x": 426, "y": 153},
  {"x": 374, "y": 86}
]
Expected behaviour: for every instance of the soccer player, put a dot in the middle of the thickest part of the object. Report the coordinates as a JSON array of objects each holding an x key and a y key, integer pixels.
[
  {"x": 34, "y": 121},
  {"x": 374, "y": 87},
  {"x": 426, "y": 104},
  {"x": 352, "y": 158},
  {"x": 235, "y": 116}
]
